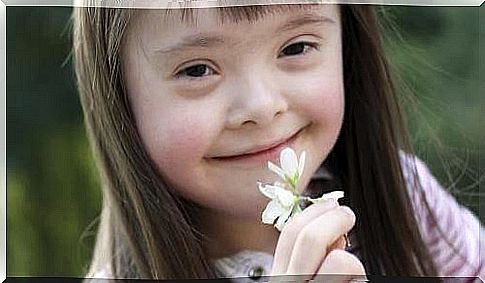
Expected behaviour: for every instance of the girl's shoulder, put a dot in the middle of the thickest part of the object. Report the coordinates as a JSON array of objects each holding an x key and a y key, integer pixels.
[
  {"x": 450, "y": 230},
  {"x": 438, "y": 198},
  {"x": 428, "y": 188}
]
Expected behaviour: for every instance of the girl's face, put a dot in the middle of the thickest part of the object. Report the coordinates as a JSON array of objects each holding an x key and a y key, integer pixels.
[{"x": 205, "y": 93}]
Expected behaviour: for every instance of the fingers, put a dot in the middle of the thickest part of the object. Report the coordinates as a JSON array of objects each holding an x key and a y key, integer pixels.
[
  {"x": 339, "y": 244},
  {"x": 314, "y": 241},
  {"x": 286, "y": 241},
  {"x": 341, "y": 266}
]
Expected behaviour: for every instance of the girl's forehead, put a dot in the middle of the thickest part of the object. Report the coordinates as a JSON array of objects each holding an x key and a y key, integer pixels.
[
  {"x": 171, "y": 30},
  {"x": 236, "y": 14}
]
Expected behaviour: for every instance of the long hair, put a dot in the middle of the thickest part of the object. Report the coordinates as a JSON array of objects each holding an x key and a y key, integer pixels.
[{"x": 148, "y": 232}]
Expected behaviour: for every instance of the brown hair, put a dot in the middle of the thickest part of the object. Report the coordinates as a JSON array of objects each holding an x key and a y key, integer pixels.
[{"x": 148, "y": 232}]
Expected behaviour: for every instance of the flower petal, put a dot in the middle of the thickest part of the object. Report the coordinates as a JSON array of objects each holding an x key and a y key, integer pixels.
[
  {"x": 276, "y": 170},
  {"x": 289, "y": 162},
  {"x": 267, "y": 190},
  {"x": 279, "y": 184},
  {"x": 280, "y": 224},
  {"x": 332, "y": 195},
  {"x": 285, "y": 197},
  {"x": 301, "y": 164},
  {"x": 271, "y": 212}
]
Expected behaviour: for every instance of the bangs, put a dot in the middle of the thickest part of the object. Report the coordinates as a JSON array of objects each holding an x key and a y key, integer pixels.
[{"x": 236, "y": 14}]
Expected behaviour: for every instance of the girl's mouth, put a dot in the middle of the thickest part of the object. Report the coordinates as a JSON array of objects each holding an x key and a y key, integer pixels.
[{"x": 271, "y": 154}]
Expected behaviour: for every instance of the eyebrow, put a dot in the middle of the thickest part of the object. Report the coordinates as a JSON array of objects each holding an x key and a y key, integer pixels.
[{"x": 210, "y": 41}]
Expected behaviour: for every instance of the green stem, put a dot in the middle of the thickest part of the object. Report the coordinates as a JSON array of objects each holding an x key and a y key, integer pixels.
[
  {"x": 293, "y": 188},
  {"x": 307, "y": 199}
]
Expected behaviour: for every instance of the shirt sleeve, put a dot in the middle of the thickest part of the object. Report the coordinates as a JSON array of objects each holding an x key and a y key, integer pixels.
[{"x": 456, "y": 252}]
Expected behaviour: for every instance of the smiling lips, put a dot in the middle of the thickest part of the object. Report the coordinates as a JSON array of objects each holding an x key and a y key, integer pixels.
[{"x": 265, "y": 153}]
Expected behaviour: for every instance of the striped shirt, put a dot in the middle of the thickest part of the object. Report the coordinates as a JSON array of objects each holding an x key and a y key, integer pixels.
[{"x": 463, "y": 230}]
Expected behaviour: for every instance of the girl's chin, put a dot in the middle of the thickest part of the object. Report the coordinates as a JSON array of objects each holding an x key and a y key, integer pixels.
[{"x": 245, "y": 211}]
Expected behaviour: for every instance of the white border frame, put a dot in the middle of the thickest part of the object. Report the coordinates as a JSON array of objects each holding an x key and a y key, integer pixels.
[
  {"x": 3, "y": 142},
  {"x": 149, "y": 4},
  {"x": 171, "y": 4}
]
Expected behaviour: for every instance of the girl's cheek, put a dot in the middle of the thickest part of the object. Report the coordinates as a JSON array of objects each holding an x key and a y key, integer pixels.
[
  {"x": 331, "y": 102},
  {"x": 178, "y": 142},
  {"x": 322, "y": 99},
  {"x": 184, "y": 139}
]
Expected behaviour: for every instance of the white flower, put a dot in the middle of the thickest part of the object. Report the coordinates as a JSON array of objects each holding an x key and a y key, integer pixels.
[
  {"x": 332, "y": 195},
  {"x": 282, "y": 205},
  {"x": 291, "y": 169}
]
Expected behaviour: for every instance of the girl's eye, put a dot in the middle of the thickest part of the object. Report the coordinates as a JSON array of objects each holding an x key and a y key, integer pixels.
[
  {"x": 201, "y": 70},
  {"x": 298, "y": 48},
  {"x": 196, "y": 71}
]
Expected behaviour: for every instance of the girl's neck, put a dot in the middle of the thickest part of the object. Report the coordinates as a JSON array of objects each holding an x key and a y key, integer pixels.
[{"x": 228, "y": 235}]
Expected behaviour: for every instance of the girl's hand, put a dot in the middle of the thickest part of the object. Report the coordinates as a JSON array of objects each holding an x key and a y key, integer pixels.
[{"x": 313, "y": 243}]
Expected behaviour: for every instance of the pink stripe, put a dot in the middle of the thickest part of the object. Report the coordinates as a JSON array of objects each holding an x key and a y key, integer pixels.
[
  {"x": 458, "y": 224},
  {"x": 453, "y": 266},
  {"x": 439, "y": 245}
]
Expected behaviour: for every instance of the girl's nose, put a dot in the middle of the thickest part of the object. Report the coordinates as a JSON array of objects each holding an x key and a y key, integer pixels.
[{"x": 257, "y": 100}]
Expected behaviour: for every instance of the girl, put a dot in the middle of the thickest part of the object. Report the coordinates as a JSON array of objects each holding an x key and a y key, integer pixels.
[{"x": 184, "y": 108}]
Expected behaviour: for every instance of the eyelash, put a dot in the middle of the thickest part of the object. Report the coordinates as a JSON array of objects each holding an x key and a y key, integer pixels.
[{"x": 311, "y": 45}]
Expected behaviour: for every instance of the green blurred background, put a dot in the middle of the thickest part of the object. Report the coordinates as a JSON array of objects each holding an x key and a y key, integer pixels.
[{"x": 53, "y": 194}]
